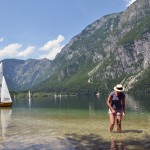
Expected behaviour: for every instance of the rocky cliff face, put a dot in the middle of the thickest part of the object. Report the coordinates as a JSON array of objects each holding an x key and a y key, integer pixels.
[
  {"x": 114, "y": 49},
  {"x": 117, "y": 45},
  {"x": 22, "y": 75}
]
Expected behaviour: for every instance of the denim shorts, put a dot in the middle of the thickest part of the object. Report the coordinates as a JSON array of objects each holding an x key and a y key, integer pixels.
[{"x": 118, "y": 112}]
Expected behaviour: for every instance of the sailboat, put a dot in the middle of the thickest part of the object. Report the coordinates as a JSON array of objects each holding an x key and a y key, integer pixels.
[
  {"x": 98, "y": 93},
  {"x": 29, "y": 95},
  {"x": 5, "y": 98},
  {"x": 29, "y": 99}
]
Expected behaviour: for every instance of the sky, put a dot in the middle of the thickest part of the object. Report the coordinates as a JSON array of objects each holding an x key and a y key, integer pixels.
[{"x": 37, "y": 29}]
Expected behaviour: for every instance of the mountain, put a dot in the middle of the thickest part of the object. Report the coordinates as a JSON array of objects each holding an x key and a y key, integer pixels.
[
  {"x": 114, "y": 49},
  {"x": 22, "y": 75}
]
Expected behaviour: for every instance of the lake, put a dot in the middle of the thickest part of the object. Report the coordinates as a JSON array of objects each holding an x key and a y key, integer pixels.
[{"x": 73, "y": 122}]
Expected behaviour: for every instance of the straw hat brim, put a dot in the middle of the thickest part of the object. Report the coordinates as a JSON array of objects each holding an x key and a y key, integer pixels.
[{"x": 115, "y": 88}]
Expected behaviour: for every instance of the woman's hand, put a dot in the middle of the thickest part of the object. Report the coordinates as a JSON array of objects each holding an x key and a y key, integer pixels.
[
  {"x": 123, "y": 114},
  {"x": 113, "y": 111}
]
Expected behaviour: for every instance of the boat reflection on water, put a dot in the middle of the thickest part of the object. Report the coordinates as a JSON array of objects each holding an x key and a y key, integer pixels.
[
  {"x": 6, "y": 114},
  {"x": 29, "y": 102},
  {"x": 91, "y": 109}
]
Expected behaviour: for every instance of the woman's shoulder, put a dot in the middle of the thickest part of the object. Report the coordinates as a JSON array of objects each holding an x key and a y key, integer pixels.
[{"x": 112, "y": 93}]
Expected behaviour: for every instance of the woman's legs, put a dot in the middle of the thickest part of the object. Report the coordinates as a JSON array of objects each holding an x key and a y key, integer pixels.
[
  {"x": 119, "y": 118},
  {"x": 112, "y": 121}
]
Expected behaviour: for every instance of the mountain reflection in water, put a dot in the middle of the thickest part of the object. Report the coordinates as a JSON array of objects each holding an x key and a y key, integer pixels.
[{"x": 73, "y": 122}]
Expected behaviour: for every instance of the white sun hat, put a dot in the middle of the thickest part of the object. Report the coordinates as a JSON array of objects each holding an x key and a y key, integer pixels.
[{"x": 119, "y": 88}]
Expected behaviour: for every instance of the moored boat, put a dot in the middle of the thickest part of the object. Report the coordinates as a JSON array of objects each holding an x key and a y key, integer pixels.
[{"x": 5, "y": 98}]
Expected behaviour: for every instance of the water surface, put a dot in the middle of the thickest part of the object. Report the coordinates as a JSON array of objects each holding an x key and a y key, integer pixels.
[{"x": 73, "y": 122}]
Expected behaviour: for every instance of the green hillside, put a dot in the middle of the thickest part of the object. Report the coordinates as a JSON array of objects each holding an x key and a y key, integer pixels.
[{"x": 107, "y": 52}]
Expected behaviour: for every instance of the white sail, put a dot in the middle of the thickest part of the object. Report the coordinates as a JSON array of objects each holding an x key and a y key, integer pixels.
[
  {"x": 5, "y": 95},
  {"x": 1, "y": 75},
  {"x": 29, "y": 94},
  {"x": 1, "y": 72},
  {"x": 29, "y": 99}
]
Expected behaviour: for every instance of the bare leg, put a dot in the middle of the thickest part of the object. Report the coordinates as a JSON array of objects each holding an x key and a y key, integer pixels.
[
  {"x": 112, "y": 121},
  {"x": 119, "y": 118}
]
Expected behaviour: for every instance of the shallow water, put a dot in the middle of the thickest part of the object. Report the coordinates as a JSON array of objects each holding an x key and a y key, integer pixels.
[{"x": 73, "y": 122}]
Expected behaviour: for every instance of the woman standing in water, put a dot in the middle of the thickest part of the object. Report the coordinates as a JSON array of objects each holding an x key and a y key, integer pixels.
[{"x": 116, "y": 104}]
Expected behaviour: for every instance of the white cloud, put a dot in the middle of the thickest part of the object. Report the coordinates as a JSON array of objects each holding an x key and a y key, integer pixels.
[
  {"x": 13, "y": 51},
  {"x": 26, "y": 52},
  {"x": 52, "y": 48},
  {"x": 48, "y": 50},
  {"x": 10, "y": 50},
  {"x": 1, "y": 39},
  {"x": 52, "y": 44},
  {"x": 52, "y": 53},
  {"x": 129, "y": 2}
]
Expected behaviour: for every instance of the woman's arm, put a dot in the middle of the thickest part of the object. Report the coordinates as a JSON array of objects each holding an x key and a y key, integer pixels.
[{"x": 109, "y": 105}]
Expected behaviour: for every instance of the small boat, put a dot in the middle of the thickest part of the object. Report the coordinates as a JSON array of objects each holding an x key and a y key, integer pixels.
[
  {"x": 5, "y": 98},
  {"x": 59, "y": 95},
  {"x": 98, "y": 94},
  {"x": 29, "y": 95}
]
